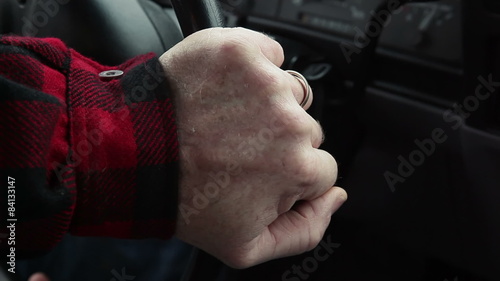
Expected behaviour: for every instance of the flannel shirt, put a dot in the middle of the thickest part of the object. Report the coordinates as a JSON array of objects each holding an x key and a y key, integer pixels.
[{"x": 83, "y": 154}]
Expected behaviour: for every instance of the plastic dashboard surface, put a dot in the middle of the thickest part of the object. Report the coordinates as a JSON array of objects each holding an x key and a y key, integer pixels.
[{"x": 421, "y": 29}]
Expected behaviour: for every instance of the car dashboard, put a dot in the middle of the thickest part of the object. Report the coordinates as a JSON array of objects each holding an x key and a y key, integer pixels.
[{"x": 413, "y": 119}]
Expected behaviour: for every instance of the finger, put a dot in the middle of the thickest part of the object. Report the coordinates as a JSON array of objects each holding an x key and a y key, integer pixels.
[
  {"x": 299, "y": 90},
  {"x": 272, "y": 50},
  {"x": 38, "y": 277},
  {"x": 317, "y": 134},
  {"x": 309, "y": 128},
  {"x": 269, "y": 47},
  {"x": 323, "y": 169},
  {"x": 301, "y": 228}
]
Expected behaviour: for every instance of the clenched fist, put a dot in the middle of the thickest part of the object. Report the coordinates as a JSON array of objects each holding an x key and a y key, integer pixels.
[{"x": 254, "y": 186}]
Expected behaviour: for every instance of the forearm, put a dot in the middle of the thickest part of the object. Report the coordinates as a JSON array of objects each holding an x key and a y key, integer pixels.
[{"x": 90, "y": 155}]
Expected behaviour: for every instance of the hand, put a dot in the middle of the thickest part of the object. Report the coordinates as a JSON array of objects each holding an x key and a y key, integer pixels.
[
  {"x": 254, "y": 186},
  {"x": 38, "y": 277}
]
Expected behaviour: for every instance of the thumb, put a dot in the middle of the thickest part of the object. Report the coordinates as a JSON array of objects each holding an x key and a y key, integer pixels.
[{"x": 301, "y": 228}]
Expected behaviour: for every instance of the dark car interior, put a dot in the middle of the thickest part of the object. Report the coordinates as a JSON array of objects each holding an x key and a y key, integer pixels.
[{"x": 408, "y": 97}]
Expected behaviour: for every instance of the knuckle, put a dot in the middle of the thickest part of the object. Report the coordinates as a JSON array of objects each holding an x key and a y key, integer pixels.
[
  {"x": 230, "y": 53},
  {"x": 278, "y": 48},
  {"x": 235, "y": 44},
  {"x": 302, "y": 169},
  {"x": 296, "y": 124},
  {"x": 319, "y": 136},
  {"x": 335, "y": 168},
  {"x": 231, "y": 46},
  {"x": 275, "y": 50},
  {"x": 266, "y": 79}
]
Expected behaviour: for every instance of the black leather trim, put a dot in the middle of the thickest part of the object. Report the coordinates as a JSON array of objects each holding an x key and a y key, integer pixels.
[
  {"x": 108, "y": 31},
  {"x": 163, "y": 23}
]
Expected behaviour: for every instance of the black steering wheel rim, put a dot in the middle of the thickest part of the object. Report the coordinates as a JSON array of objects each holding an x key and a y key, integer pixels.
[{"x": 195, "y": 15}]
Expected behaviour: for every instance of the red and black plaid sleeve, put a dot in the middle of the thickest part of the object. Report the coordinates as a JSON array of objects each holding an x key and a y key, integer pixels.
[{"x": 92, "y": 156}]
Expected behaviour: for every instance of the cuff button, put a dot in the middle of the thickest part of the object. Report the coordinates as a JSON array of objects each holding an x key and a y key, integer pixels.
[{"x": 110, "y": 74}]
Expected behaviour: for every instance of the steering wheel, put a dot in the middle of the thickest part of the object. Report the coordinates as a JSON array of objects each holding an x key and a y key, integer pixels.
[{"x": 195, "y": 15}]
